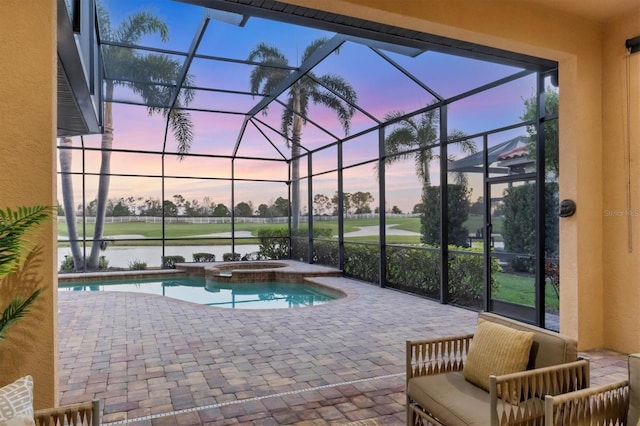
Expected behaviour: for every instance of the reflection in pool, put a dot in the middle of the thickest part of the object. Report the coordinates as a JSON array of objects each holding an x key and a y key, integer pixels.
[{"x": 262, "y": 295}]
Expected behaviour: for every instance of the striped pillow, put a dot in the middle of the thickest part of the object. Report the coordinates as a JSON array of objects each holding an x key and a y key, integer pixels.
[
  {"x": 16, "y": 399},
  {"x": 496, "y": 349}
]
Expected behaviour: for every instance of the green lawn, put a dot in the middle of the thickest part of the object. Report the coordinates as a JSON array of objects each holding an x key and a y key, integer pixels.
[
  {"x": 180, "y": 230},
  {"x": 187, "y": 230},
  {"x": 519, "y": 289}
]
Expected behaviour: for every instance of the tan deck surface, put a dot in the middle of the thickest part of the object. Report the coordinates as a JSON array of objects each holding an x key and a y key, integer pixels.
[{"x": 153, "y": 360}]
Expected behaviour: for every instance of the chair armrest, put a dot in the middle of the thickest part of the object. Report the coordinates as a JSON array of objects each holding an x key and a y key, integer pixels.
[
  {"x": 86, "y": 413},
  {"x": 606, "y": 404},
  {"x": 520, "y": 396},
  {"x": 435, "y": 356}
]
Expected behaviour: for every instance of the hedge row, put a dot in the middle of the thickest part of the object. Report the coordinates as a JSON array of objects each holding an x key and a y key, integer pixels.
[{"x": 412, "y": 269}]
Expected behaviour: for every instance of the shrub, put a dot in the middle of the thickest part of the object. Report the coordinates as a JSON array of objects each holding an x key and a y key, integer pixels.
[
  {"x": 519, "y": 221},
  {"x": 416, "y": 270},
  {"x": 103, "y": 263},
  {"x": 231, "y": 257},
  {"x": 326, "y": 253},
  {"x": 254, "y": 255},
  {"x": 169, "y": 262},
  {"x": 137, "y": 265},
  {"x": 362, "y": 262},
  {"x": 466, "y": 277},
  {"x": 274, "y": 243},
  {"x": 204, "y": 257},
  {"x": 458, "y": 206},
  {"x": 299, "y": 249},
  {"x": 67, "y": 264}
]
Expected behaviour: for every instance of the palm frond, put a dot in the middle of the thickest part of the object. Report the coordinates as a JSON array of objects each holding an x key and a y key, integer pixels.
[
  {"x": 182, "y": 128},
  {"x": 286, "y": 122},
  {"x": 268, "y": 74},
  {"x": 267, "y": 55},
  {"x": 468, "y": 146},
  {"x": 153, "y": 68},
  {"x": 16, "y": 310},
  {"x": 104, "y": 22},
  {"x": 139, "y": 24},
  {"x": 340, "y": 97},
  {"x": 13, "y": 226},
  {"x": 393, "y": 115},
  {"x": 313, "y": 46},
  {"x": 400, "y": 139}
]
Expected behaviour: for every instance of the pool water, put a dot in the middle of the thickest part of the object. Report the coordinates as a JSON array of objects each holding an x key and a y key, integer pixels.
[{"x": 263, "y": 295}]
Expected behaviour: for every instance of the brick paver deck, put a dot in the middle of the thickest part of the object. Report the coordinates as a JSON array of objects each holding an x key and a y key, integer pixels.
[{"x": 153, "y": 360}]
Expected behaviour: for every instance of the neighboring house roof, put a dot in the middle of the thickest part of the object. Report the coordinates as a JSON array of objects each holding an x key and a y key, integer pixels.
[
  {"x": 473, "y": 162},
  {"x": 514, "y": 153}
]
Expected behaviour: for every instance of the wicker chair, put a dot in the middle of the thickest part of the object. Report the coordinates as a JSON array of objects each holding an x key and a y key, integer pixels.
[
  {"x": 612, "y": 404},
  {"x": 439, "y": 394},
  {"x": 86, "y": 414}
]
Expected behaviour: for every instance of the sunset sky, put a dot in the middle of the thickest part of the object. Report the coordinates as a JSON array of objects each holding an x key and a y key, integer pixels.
[{"x": 380, "y": 88}]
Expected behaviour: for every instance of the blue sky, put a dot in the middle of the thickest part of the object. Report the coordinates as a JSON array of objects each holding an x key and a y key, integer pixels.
[{"x": 380, "y": 87}]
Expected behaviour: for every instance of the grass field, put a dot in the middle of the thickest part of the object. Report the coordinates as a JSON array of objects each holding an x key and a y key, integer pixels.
[
  {"x": 186, "y": 230},
  {"x": 518, "y": 288},
  {"x": 190, "y": 230}
]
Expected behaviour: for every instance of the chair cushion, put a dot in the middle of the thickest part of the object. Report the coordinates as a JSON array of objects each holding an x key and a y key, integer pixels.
[
  {"x": 633, "y": 416},
  {"x": 498, "y": 350},
  {"x": 442, "y": 395},
  {"x": 16, "y": 399}
]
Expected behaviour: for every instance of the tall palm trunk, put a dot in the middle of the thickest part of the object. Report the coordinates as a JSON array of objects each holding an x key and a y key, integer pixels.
[
  {"x": 103, "y": 183},
  {"x": 295, "y": 163},
  {"x": 68, "y": 202},
  {"x": 426, "y": 177}
]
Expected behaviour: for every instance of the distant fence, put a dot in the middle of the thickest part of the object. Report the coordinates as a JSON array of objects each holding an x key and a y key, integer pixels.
[{"x": 215, "y": 220}]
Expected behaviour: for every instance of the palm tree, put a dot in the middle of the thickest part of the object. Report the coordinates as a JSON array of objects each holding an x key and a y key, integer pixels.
[
  {"x": 129, "y": 68},
  {"x": 329, "y": 90},
  {"x": 415, "y": 137},
  {"x": 66, "y": 156}
]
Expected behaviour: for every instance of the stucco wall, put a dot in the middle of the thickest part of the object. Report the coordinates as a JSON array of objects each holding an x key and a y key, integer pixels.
[
  {"x": 577, "y": 44},
  {"x": 27, "y": 165},
  {"x": 621, "y": 138}
]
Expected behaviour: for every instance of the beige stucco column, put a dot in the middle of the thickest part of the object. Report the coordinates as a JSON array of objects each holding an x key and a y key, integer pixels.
[
  {"x": 28, "y": 177},
  {"x": 621, "y": 206}
]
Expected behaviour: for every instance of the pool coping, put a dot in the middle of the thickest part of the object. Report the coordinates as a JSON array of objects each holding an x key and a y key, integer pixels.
[
  {"x": 291, "y": 271},
  {"x": 109, "y": 275}
]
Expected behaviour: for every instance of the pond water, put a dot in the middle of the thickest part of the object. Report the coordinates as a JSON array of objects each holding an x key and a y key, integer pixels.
[{"x": 121, "y": 257}]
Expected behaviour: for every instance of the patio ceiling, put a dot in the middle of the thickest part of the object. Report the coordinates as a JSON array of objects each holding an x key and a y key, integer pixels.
[{"x": 212, "y": 40}]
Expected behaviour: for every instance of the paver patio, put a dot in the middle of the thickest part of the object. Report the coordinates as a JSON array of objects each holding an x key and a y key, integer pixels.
[{"x": 153, "y": 360}]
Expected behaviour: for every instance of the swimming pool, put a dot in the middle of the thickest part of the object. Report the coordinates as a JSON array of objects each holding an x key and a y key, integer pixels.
[{"x": 257, "y": 295}]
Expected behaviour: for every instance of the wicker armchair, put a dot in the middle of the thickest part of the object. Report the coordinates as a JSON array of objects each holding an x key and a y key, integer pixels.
[
  {"x": 446, "y": 397},
  {"x": 86, "y": 414},
  {"x": 612, "y": 404}
]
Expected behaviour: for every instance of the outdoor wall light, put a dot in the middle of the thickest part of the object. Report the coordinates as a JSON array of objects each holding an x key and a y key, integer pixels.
[
  {"x": 633, "y": 44},
  {"x": 567, "y": 208}
]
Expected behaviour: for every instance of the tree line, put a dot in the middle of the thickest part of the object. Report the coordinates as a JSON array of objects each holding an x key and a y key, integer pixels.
[{"x": 354, "y": 203}]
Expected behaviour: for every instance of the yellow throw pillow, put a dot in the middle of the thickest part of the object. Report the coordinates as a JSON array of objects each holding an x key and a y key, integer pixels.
[
  {"x": 496, "y": 349},
  {"x": 16, "y": 399}
]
